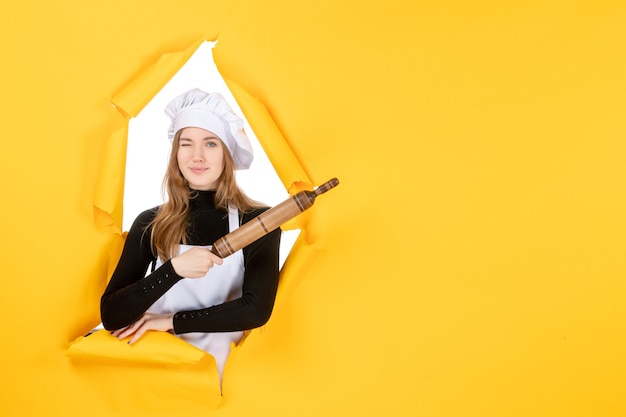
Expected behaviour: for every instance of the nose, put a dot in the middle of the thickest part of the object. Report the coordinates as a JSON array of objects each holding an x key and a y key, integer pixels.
[{"x": 198, "y": 155}]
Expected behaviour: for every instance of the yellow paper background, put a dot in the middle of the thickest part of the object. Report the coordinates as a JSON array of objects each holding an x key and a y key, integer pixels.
[{"x": 469, "y": 264}]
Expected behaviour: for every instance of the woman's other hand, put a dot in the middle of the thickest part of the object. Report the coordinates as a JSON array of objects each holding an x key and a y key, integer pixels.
[
  {"x": 149, "y": 321},
  {"x": 195, "y": 263}
]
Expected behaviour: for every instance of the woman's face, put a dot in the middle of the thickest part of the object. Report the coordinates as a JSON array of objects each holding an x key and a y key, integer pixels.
[{"x": 200, "y": 158}]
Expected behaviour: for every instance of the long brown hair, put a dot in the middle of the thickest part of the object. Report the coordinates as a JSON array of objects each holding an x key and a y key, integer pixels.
[{"x": 169, "y": 227}]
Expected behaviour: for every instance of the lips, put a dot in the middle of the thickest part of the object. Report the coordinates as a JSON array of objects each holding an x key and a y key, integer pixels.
[{"x": 198, "y": 170}]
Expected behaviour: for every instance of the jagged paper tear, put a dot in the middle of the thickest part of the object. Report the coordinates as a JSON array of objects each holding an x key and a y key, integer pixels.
[{"x": 157, "y": 347}]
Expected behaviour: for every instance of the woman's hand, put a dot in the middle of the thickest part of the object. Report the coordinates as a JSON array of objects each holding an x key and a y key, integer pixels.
[
  {"x": 149, "y": 321},
  {"x": 195, "y": 263}
]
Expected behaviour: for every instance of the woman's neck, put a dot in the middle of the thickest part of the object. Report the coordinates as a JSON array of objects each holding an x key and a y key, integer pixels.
[{"x": 201, "y": 199}]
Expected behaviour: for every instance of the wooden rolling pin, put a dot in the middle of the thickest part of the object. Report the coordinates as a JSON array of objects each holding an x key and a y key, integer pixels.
[{"x": 269, "y": 220}]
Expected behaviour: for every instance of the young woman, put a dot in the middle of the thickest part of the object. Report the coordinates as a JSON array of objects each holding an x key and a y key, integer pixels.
[{"x": 201, "y": 298}]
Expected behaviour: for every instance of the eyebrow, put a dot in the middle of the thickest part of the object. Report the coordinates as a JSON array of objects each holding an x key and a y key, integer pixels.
[{"x": 205, "y": 138}]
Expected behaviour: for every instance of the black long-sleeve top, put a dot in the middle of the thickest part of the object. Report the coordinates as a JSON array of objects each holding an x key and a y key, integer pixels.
[{"x": 128, "y": 294}]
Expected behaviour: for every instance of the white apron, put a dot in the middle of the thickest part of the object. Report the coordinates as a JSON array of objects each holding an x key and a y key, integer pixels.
[{"x": 222, "y": 283}]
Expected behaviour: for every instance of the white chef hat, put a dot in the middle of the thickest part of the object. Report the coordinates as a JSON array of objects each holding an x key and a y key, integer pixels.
[{"x": 211, "y": 112}]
